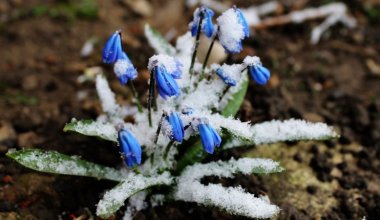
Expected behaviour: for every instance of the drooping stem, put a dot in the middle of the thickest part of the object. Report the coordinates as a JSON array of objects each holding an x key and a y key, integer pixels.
[
  {"x": 136, "y": 95},
  {"x": 209, "y": 52},
  {"x": 151, "y": 96},
  {"x": 159, "y": 128},
  {"x": 191, "y": 70},
  {"x": 167, "y": 149}
]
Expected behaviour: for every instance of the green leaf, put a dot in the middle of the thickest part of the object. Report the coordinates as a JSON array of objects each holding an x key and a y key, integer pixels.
[
  {"x": 92, "y": 128},
  {"x": 114, "y": 198},
  {"x": 158, "y": 42},
  {"x": 54, "y": 162},
  {"x": 237, "y": 99}
]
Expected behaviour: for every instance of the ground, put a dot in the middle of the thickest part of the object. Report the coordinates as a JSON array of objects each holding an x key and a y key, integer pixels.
[{"x": 335, "y": 81}]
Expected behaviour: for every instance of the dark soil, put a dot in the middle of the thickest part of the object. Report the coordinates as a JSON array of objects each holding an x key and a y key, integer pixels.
[{"x": 334, "y": 81}]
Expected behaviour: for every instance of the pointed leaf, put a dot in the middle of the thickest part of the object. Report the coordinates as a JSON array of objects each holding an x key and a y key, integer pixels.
[
  {"x": 114, "y": 198},
  {"x": 236, "y": 100},
  {"x": 158, "y": 42},
  {"x": 92, "y": 128},
  {"x": 57, "y": 163}
]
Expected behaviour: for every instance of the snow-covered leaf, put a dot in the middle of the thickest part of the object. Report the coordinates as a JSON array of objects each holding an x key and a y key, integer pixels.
[
  {"x": 104, "y": 131},
  {"x": 114, "y": 198},
  {"x": 288, "y": 130},
  {"x": 236, "y": 100},
  {"x": 54, "y": 162},
  {"x": 232, "y": 199},
  {"x": 158, "y": 42}
]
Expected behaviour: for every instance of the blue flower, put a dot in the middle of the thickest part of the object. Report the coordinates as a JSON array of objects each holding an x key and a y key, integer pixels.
[
  {"x": 259, "y": 73},
  {"x": 124, "y": 69},
  {"x": 209, "y": 137},
  {"x": 207, "y": 27},
  {"x": 187, "y": 110},
  {"x": 233, "y": 28},
  {"x": 226, "y": 78},
  {"x": 113, "y": 49},
  {"x": 130, "y": 147},
  {"x": 166, "y": 85},
  {"x": 177, "y": 129},
  {"x": 242, "y": 21}
]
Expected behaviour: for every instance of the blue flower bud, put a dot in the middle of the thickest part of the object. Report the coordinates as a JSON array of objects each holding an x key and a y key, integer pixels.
[
  {"x": 124, "y": 69},
  {"x": 233, "y": 28},
  {"x": 259, "y": 73},
  {"x": 226, "y": 78},
  {"x": 209, "y": 137},
  {"x": 166, "y": 85},
  {"x": 177, "y": 129},
  {"x": 207, "y": 27},
  {"x": 242, "y": 21},
  {"x": 113, "y": 48},
  {"x": 130, "y": 147}
]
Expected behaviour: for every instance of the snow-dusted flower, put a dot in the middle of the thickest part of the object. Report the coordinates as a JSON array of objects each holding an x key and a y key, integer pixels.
[
  {"x": 226, "y": 78},
  {"x": 113, "y": 49},
  {"x": 209, "y": 137},
  {"x": 257, "y": 71},
  {"x": 166, "y": 69},
  {"x": 177, "y": 130},
  {"x": 233, "y": 28},
  {"x": 124, "y": 69},
  {"x": 207, "y": 26},
  {"x": 130, "y": 147}
]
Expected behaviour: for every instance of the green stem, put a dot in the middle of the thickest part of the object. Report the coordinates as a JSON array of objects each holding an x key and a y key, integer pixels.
[
  {"x": 136, "y": 95},
  {"x": 196, "y": 44},
  {"x": 158, "y": 129},
  {"x": 224, "y": 93},
  {"x": 208, "y": 53},
  {"x": 151, "y": 96},
  {"x": 167, "y": 149}
]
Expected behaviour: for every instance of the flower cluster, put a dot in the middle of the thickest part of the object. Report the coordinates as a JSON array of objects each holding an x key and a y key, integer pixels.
[
  {"x": 166, "y": 71},
  {"x": 113, "y": 54}
]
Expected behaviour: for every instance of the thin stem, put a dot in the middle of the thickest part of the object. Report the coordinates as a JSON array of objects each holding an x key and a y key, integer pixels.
[
  {"x": 151, "y": 96},
  {"x": 196, "y": 44},
  {"x": 167, "y": 149},
  {"x": 136, "y": 95},
  {"x": 224, "y": 92},
  {"x": 209, "y": 52},
  {"x": 158, "y": 129}
]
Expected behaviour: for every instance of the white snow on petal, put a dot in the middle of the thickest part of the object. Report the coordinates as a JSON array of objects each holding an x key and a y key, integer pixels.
[{"x": 231, "y": 32}]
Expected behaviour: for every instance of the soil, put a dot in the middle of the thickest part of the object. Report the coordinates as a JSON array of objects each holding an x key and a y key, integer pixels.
[{"x": 336, "y": 82}]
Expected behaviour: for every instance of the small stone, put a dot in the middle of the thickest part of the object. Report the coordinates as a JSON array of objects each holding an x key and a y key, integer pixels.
[
  {"x": 335, "y": 172},
  {"x": 7, "y": 132},
  {"x": 29, "y": 139},
  {"x": 313, "y": 117},
  {"x": 30, "y": 82}
]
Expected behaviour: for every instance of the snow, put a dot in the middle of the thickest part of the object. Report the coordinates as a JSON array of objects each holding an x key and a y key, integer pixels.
[
  {"x": 252, "y": 61},
  {"x": 107, "y": 97},
  {"x": 290, "y": 130},
  {"x": 114, "y": 198},
  {"x": 168, "y": 62},
  {"x": 101, "y": 129},
  {"x": 232, "y": 199},
  {"x": 158, "y": 43},
  {"x": 231, "y": 32}
]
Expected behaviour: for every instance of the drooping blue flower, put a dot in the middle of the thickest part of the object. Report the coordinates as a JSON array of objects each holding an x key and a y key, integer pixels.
[
  {"x": 259, "y": 73},
  {"x": 124, "y": 69},
  {"x": 177, "y": 130},
  {"x": 113, "y": 48},
  {"x": 226, "y": 78},
  {"x": 233, "y": 28},
  {"x": 207, "y": 27},
  {"x": 130, "y": 147},
  {"x": 166, "y": 85},
  {"x": 242, "y": 21},
  {"x": 209, "y": 137}
]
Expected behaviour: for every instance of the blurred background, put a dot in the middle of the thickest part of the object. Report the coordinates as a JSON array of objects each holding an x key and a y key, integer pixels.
[{"x": 46, "y": 45}]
